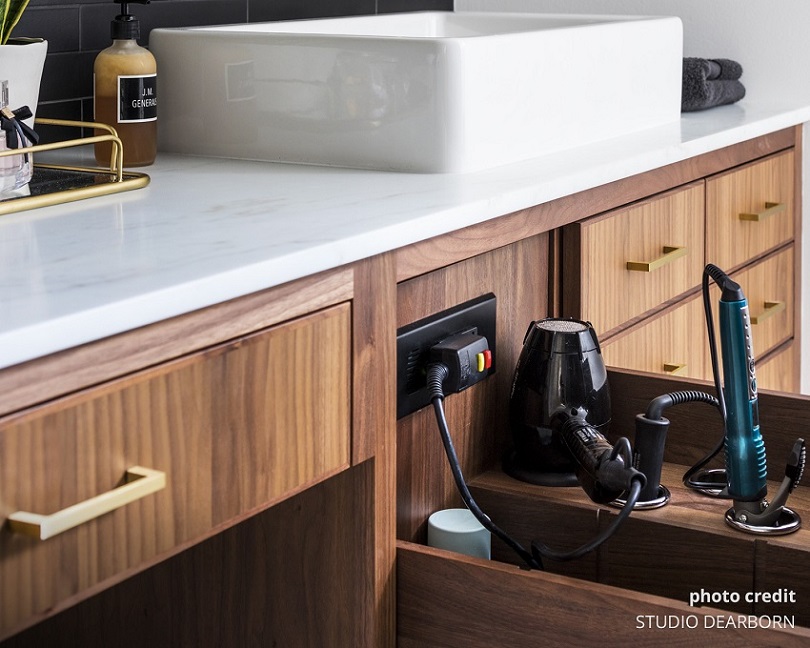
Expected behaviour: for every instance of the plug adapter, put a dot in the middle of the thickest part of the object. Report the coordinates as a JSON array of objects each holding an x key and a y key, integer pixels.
[{"x": 468, "y": 360}]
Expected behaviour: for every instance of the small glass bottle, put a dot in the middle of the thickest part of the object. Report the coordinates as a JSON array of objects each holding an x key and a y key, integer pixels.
[
  {"x": 125, "y": 93},
  {"x": 15, "y": 170}
]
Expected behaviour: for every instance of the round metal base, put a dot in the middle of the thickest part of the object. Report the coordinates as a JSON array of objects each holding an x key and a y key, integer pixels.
[
  {"x": 711, "y": 482},
  {"x": 788, "y": 522},
  {"x": 513, "y": 467},
  {"x": 657, "y": 502}
]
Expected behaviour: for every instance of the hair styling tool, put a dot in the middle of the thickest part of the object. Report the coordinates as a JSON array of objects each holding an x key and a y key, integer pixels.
[
  {"x": 651, "y": 436},
  {"x": 566, "y": 371},
  {"x": 746, "y": 470}
]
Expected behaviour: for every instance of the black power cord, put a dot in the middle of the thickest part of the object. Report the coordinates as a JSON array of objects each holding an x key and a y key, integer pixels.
[
  {"x": 437, "y": 374},
  {"x": 710, "y": 272},
  {"x": 538, "y": 548}
]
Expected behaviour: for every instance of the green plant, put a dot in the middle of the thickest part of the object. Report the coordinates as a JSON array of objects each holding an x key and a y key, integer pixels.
[{"x": 10, "y": 13}]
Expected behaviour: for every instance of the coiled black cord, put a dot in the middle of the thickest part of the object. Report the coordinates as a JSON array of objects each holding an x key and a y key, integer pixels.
[
  {"x": 540, "y": 549},
  {"x": 655, "y": 412},
  {"x": 710, "y": 272},
  {"x": 436, "y": 375},
  {"x": 657, "y": 405}
]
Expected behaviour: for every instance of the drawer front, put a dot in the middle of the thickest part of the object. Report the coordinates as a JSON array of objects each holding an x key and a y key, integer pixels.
[
  {"x": 749, "y": 211},
  {"x": 672, "y": 344},
  {"x": 233, "y": 428},
  {"x": 768, "y": 287},
  {"x": 779, "y": 373},
  {"x": 614, "y": 292}
]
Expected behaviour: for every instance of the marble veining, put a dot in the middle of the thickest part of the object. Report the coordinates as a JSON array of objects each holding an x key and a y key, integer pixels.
[{"x": 208, "y": 230}]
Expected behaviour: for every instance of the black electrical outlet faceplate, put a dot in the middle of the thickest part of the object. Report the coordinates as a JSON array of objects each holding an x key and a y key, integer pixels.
[{"x": 415, "y": 340}]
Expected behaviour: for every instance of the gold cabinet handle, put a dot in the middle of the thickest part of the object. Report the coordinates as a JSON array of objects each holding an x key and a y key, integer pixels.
[
  {"x": 672, "y": 369},
  {"x": 670, "y": 254},
  {"x": 138, "y": 482},
  {"x": 771, "y": 208},
  {"x": 771, "y": 309}
]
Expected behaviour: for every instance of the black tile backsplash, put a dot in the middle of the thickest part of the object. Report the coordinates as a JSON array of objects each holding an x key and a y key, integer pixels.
[
  {"x": 392, "y": 6},
  {"x": 78, "y": 29}
]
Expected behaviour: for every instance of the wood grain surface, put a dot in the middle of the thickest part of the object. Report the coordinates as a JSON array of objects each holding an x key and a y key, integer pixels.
[
  {"x": 295, "y": 575},
  {"x": 65, "y": 371},
  {"x": 731, "y": 242},
  {"x": 225, "y": 425},
  {"x": 517, "y": 274},
  {"x": 447, "y": 600}
]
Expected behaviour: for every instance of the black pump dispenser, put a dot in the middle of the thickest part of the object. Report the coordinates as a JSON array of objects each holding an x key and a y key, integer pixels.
[{"x": 126, "y": 26}]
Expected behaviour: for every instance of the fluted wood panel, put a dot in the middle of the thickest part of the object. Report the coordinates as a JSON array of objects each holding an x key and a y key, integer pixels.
[
  {"x": 609, "y": 293},
  {"x": 678, "y": 336},
  {"x": 235, "y": 428},
  {"x": 730, "y": 242},
  {"x": 770, "y": 281},
  {"x": 777, "y": 372},
  {"x": 672, "y": 343},
  {"x": 518, "y": 276}
]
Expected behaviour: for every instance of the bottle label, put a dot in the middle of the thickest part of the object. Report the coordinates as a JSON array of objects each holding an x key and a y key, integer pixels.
[{"x": 137, "y": 98}]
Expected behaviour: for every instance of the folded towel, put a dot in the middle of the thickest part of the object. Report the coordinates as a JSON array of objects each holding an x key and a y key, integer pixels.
[
  {"x": 710, "y": 69},
  {"x": 710, "y": 82}
]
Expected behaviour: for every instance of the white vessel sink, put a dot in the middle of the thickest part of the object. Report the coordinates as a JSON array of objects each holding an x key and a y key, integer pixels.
[{"x": 422, "y": 92}]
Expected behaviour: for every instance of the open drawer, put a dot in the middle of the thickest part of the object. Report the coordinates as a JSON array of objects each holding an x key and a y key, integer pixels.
[
  {"x": 448, "y": 600},
  {"x": 637, "y": 587}
]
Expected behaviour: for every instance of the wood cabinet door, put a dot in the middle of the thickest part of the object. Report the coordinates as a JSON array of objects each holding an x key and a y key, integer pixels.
[
  {"x": 632, "y": 260},
  {"x": 233, "y": 429},
  {"x": 671, "y": 344},
  {"x": 768, "y": 287},
  {"x": 749, "y": 211}
]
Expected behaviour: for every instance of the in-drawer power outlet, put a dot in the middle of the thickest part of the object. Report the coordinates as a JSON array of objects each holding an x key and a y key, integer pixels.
[{"x": 415, "y": 340}]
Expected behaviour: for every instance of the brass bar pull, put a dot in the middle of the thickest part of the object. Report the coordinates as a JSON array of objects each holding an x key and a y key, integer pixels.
[
  {"x": 670, "y": 254},
  {"x": 771, "y": 309},
  {"x": 672, "y": 369},
  {"x": 139, "y": 482},
  {"x": 771, "y": 208}
]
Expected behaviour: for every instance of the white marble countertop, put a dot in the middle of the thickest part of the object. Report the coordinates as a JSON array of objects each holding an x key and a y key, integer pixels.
[{"x": 208, "y": 230}]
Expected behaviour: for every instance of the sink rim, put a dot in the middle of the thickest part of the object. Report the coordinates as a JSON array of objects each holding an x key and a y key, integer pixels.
[{"x": 528, "y": 23}]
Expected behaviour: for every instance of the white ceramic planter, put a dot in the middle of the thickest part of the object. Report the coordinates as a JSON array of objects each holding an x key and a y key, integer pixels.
[{"x": 21, "y": 65}]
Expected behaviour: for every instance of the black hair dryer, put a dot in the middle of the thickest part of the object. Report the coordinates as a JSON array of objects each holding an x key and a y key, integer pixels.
[{"x": 560, "y": 413}]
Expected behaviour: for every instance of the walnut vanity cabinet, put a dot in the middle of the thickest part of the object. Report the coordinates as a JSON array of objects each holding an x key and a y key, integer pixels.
[
  {"x": 294, "y": 507},
  {"x": 233, "y": 429}
]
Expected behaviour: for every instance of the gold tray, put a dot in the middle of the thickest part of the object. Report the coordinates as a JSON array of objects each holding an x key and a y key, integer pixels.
[{"x": 54, "y": 184}]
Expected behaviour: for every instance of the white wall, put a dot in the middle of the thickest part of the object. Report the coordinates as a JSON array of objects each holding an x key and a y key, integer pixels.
[{"x": 770, "y": 40}]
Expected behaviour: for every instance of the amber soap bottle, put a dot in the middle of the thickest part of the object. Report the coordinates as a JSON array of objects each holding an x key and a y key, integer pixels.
[{"x": 125, "y": 92}]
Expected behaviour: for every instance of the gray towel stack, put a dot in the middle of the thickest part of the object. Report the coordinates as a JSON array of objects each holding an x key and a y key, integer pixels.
[{"x": 710, "y": 82}]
